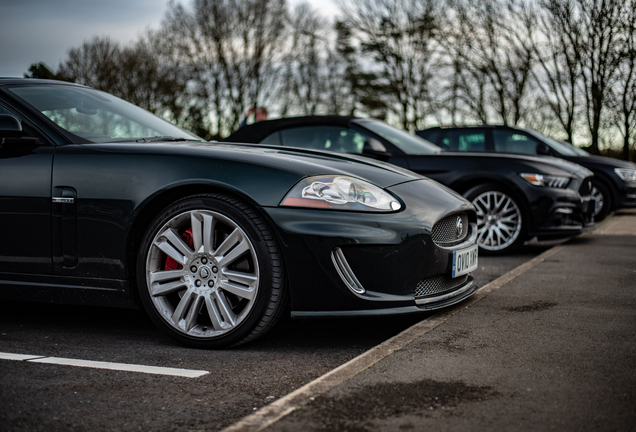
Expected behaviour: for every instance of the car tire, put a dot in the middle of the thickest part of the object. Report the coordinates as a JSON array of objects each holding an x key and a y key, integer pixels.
[
  {"x": 500, "y": 218},
  {"x": 209, "y": 272},
  {"x": 603, "y": 197}
]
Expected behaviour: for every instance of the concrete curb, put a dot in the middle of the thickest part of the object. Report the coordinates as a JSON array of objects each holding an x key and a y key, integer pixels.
[{"x": 278, "y": 409}]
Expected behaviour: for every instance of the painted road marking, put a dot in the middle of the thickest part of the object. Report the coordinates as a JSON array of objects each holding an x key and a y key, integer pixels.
[{"x": 186, "y": 373}]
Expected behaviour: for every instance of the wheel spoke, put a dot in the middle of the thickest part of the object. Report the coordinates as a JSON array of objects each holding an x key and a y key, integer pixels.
[
  {"x": 166, "y": 282},
  {"x": 184, "y": 309},
  {"x": 193, "y": 313},
  {"x": 242, "y": 278},
  {"x": 173, "y": 246},
  {"x": 220, "y": 311},
  {"x": 202, "y": 230},
  {"x": 236, "y": 289},
  {"x": 231, "y": 240},
  {"x": 231, "y": 249}
]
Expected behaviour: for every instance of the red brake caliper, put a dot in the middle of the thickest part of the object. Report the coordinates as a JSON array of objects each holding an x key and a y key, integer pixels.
[{"x": 172, "y": 264}]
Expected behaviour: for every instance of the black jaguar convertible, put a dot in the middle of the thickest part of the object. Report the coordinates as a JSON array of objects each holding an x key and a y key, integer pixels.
[{"x": 103, "y": 203}]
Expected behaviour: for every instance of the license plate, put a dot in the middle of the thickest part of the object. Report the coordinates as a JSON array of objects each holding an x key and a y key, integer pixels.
[{"x": 464, "y": 261}]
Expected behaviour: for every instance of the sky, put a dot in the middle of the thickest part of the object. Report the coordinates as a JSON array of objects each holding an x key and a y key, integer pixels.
[{"x": 33, "y": 31}]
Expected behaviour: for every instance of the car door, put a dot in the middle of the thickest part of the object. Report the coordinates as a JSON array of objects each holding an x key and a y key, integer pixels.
[{"x": 25, "y": 201}]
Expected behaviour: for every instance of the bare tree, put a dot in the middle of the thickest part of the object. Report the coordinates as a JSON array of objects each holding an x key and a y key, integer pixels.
[
  {"x": 234, "y": 48},
  {"x": 491, "y": 46},
  {"x": 95, "y": 64},
  {"x": 626, "y": 86},
  {"x": 593, "y": 30},
  {"x": 559, "y": 72},
  {"x": 305, "y": 73},
  {"x": 400, "y": 37}
]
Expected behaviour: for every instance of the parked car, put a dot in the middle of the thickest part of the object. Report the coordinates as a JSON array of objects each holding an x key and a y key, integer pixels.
[
  {"x": 102, "y": 203},
  {"x": 517, "y": 197},
  {"x": 614, "y": 182}
]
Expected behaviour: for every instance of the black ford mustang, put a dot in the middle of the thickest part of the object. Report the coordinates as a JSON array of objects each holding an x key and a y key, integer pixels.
[
  {"x": 103, "y": 203},
  {"x": 517, "y": 197},
  {"x": 614, "y": 182}
]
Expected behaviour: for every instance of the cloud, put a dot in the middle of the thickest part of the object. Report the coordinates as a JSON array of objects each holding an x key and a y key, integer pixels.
[{"x": 44, "y": 30}]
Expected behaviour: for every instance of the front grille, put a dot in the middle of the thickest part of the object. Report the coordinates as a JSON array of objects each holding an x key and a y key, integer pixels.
[
  {"x": 586, "y": 187},
  {"x": 449, "y": 231},
  {"x": 438, "y": 284}
]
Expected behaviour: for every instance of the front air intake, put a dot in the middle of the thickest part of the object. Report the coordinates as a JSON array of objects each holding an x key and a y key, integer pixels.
[
  {"x": 438, "y": 284},
  {"x": 451, "y": 230}
]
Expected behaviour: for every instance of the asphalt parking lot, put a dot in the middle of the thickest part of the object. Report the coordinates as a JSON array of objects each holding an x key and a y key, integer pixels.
[{"x": 44, "y": 396}]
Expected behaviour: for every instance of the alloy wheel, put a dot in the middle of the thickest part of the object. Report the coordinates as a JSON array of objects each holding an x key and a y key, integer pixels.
[
  {"x": 498, "y": 220},
  {"x": 213, "y": 281},
  {"x": 599, "y": 200}
]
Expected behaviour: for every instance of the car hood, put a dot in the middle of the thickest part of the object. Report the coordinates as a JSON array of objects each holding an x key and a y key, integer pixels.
[
  {"x": 298, "y": 163},
  {"x": 602, "y": 161},
  {"x": 545, "y": 161}
]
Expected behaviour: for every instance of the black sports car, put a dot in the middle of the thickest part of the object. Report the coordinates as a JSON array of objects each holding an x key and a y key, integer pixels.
[
  {"x": 614, "y": 182},
  {"x": 517, "y": 197},
  {"x": 103, "y": 203}
]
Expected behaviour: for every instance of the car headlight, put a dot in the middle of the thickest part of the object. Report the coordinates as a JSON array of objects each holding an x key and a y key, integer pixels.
[
  {"x": 340, "y": 193},
  {"x": 626, "y": 174},
  {"x": 552, "y": 181}
]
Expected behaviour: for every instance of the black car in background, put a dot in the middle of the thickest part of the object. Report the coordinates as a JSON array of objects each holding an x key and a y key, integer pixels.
[
  {"x": 102, "y": 203},
  {"x": 614, "y": 182},
  {"x": 517, "y": 197}
]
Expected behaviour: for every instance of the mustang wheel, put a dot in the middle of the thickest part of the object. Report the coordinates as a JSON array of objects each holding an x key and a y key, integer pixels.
[
  {"x": 209, "y": 272},
  {"x": 601, "y": 195},
  {"x": 499, "y": 218}
]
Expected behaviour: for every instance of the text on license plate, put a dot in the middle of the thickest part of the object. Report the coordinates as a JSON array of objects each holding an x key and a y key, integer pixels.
[{"x": 464, "y": 261}]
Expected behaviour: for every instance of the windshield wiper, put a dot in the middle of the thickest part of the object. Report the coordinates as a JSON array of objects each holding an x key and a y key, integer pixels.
[{"x": 160, "y": 138}]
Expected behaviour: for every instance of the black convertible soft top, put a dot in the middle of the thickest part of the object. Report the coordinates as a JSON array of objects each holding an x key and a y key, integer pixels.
[{"x": 255, "y": 132}]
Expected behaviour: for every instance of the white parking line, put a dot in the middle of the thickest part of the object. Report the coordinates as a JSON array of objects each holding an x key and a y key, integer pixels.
[{"x": 186, "y": 373}]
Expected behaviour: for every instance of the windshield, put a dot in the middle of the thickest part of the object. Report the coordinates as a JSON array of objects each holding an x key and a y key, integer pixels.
[
  {"x": 575, "y": 149},
  {"x": 563, "y": 149},
  {"x": 96, "y": 116},
  {"x": 403, "y": 140}
]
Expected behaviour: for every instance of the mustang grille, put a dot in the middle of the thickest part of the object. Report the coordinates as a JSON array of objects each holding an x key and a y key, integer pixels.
[
  {"x": 449, "y": 231},
  {"x": 438, "y": 284}
]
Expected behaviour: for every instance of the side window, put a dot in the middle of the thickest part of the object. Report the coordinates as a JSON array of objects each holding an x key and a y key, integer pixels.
[
  {"x": 465, "y": 140},
  {"x": 431, "y": 136},
  {"x": 273, "y": 139},
  {"x": 333, "y": 138},
  {"x": 507, "y": 141}
]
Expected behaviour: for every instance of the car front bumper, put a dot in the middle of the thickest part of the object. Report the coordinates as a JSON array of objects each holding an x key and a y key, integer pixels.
[
  {"x": 354, "y": 264},
  {"x": 561, "y": 213},
  {"x": 626, "y": 195}
]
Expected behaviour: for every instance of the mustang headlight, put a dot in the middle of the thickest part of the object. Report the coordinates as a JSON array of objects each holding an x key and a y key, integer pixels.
[
  {"x": 552, "y": 181},
  {"x": 340, "y": 193},
  {"x": 626, "y": 174}
]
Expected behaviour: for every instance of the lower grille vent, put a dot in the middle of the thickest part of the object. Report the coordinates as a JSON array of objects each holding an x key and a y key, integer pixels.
[{"x": 438, "y": 284}]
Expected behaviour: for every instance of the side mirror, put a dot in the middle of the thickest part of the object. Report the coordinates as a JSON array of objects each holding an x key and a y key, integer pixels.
[
  {"x": 375, "y": 149},
  {"x": 373, "y": 145},
  {"x": 543, "y": 149},
  {"x": 11, "y": 134},
  {"x": 10, "y": 126}
]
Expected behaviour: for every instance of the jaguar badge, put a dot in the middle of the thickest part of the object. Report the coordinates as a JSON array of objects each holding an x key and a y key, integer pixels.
[{"x": 459, "y": 227}]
